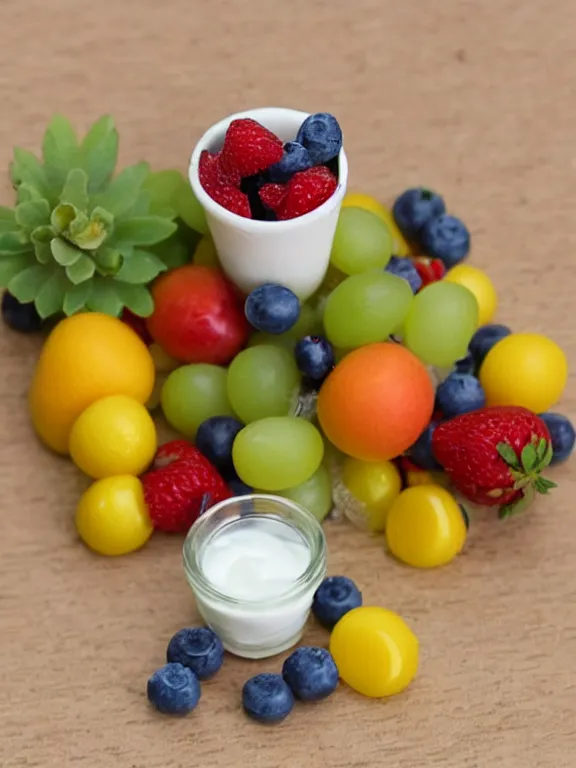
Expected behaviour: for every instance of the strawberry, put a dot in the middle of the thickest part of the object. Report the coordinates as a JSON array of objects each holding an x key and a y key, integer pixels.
[
  {"x": 306, "y": 191},
  {"x": 272, "y": 195},
  {"x": 430, "y": 270},
  {"x": 249, "y": 148},
  {"x": 232, "y": 199},
  {"x": 222, "y": 186},
  {"x": 494, "y": 456},
  {"x": 177, "y": 487}
]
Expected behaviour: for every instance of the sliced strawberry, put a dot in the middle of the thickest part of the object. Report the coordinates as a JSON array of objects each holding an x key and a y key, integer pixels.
[
  {"x": 272, "y": 195},
  {"x": 212, "y": 174},
  {"x": 249, "y": 148},
  {"x": 306, "y": 191}
]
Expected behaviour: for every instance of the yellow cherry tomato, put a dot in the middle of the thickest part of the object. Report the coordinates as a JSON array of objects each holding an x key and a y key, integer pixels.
[
  {"x": 480, "y": 285},
  {"x": 425, "y": 527},
  {"x": 375, "y": 485},
  {"x": 113, "y": 436},
  {"x": 526, "y": 369},
  {"x": 375, "y": 651},
  {"x": 112, "y": 516},
  {"x": 360, "y": 200}
]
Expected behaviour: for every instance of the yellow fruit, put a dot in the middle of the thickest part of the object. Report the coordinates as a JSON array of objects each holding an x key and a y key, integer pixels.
[
  {"x": 425, "y": 527},
  {"x": 359, "y": 200},
  {"x": 526, "y": 369},
  {"x": 112, "y": 516},
  {"x": 375, "y": 651},
  {"x": 425, "y": 477},
  {"x": 113, "y": 436},
  {"x": 86, "y": 357},
  {"x": 480, "y": 285},
  {"x": 376, "y": 485}
]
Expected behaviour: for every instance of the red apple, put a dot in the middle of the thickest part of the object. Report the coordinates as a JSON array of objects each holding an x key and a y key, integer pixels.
[{"x": 198, "y": 316}]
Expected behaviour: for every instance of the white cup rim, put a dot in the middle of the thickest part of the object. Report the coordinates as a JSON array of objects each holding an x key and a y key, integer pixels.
[{"x": 240, "y": 222}]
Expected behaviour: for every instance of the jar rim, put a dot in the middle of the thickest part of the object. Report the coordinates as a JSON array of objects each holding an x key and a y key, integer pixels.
[{"x": 312, "y": 533}]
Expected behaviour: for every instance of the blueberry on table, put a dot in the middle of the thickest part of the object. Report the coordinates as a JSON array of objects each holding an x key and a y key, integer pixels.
[
  {"x": 335, "y": 597},
  {"x": 459, "y": 393},
  {"x": 267, "y": 698},
  {"x": 421, "y": 451},
  {"x": 314, "y": 357},
  {"x": 485, "y": 338},
  {"x": 403, "y": 267},
  {"x": 295, "y": 158},
  {"x": 18, "y": 316},
  {"x": 466, "y": 365},
  {"x": 322, "y": 136},
  {"x": 174, "y": 690},
  {"x": 562, "y": 434},
  {"x": 198, "y": 648},
  {"x": 446, "y": 238},
  {"x": 272, "y": 308},
  {"x": 414, "y": 208},
  {"x": 311, "y": 673},
  {"x": 215, "y": 437}
]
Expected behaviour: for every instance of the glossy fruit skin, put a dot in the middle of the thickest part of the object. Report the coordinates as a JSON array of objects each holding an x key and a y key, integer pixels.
[
  {"x": 484, "y": 339},
  {"x": 86, "y": 357},
  {"x": 524, "y": 369},
  {"x": 198, "y": 648},
  {"x": 322, "y": 136},
  {"x": 459, "y": 393},
  {"x": 375, "y": 651},
  {"x": 267, "y": 698},
  {"x": 414, "y": 208},
  {"x": 112, "y": 517},
  {"x": 113, "y": 436},
  {"x": 174, "y": 690},
  {"x": 562, "y": 434},
  {"x": 376, "y": 402},
  {"x": 335, "y": 597},
  {"x": 314, "y": 357},
  {"x": 425, "y": 527},
  {"x": 375, "y": 485},
  {"x": 198, "y": 316},
  {"x": 421, "y": 451},
  {"x": 215, "y": 438},
  {"x": 405, "y": 268},
  {"x": 368, "y": 203},
  {"x": 446, "y": 238},
  {"x": 272, "y": 308},
  {"x": 310, "y": 673},
  {"x": 295, "y": 158},
  {"x": 480, "y": 285},
  {"x": 20, "y": 317}
]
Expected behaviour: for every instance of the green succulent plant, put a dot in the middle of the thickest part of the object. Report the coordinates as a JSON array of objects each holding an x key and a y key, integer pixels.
[{"x": 80, "y": 238}]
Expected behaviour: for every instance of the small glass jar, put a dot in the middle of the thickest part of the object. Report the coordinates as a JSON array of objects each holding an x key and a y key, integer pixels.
[{"x": 269, "y": 616}]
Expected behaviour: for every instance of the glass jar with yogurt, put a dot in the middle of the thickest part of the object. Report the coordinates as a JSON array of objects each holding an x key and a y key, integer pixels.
[{"x": 254, "y": 563}]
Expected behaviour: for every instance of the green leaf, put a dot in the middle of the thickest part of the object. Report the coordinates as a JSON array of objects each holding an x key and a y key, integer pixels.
[
  {"x": 141, "y": 206},
  {"x": 50, "y": 298},
  {"x": 59, "y": 150},
  {"x": 543, "y": 485},
  {"x": 34, "y": 214},
  {"x": 63, "y": 216},
  {"x": 81, "y": 270},
  {"x": 42, "y": 238},
  {"x": 26, "y": 193},
  {"x": 143, "y": 230},
  {"x": 27, "y": 169},
  {"x": 75, "y": 190},
  {"x": 7, "y": 220},
  {"x": 509, "y": 455},
  {"x": 529, "y": 458},
  {"x": 108, "y": 261},
  {"x": 14, "y": 242},
  {"x": 541, "y": 449},
  {"x": 137, "y": 298},
  {"x": 27, "y": 284},
  {"x": 90, "y": 234},
  {"x": 104, "y": 297},
  {"x": 547, "y": 456},
  {"x": 76, "y": 298},
  {"x": 122, "y": 192},
  {"x": 63, "y": 253},
  {"x": 189, "y": 209},
  {"x": 163, "y": 187},
  {"x": 99, "y": 153},
  {"x": 10, "y": 266},
  {"x": 520, "y": 505},
  {"x": 140, "y": 268},
  {"x": 173, "y": 252}
]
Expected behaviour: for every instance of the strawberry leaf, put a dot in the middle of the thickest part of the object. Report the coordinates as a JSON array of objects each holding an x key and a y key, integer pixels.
[
  {"x": 541, "y": 449},
  {"x": 508, "y": 453},
  {"x": 520, "y": 505},
  {"x": 547, "y": 456},
  {"x": 543, "y": 485},
  {"x": 529, "y": 458}
]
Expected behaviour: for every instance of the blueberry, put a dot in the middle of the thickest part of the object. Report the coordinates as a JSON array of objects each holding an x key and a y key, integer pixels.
[
  {"x": 421, "y": 452},
  {"x": 174, "y": 689},
  {"x": 414, "y": 208},
  {"x": 446, "y": 238},
  {"x": 402, "y": 267},
  {"x": 484, "y": 339},
  {"x": 562, "y": 434},
  {"x": 272, "y": 308},
  {"x": 295, "y": 158},
  {"x": 251, "y": 186},
  {"x": 459, "y": 393},
  {"x": 322, "y": 137},
  {"x": 267, "y": 698},
  {"x": 215, "y": 437},
  {"x": 311, "y": 673},
  {"x": 198, "y": 648},
  {"x": 314, "y": 357},
  {"x": 18, "y": 316},
  {"x": 334, "y": 597},
  {"x": 237, "y": 486},
  {"x": 466, "y": 364}
]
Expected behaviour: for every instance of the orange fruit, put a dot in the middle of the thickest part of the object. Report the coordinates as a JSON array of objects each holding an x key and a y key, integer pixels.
[{"x": 376, "y": 402}]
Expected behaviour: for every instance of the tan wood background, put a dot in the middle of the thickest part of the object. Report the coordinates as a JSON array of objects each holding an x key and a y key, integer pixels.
[{"x": 475, "y": 98}]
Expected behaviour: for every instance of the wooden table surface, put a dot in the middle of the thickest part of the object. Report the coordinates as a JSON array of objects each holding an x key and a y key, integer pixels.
[{"x": 475, "y": 98}]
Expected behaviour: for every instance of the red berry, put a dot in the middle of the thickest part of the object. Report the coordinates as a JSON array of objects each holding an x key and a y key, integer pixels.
[
  {"x": 138, "y": 325},
  {"x": 272, "y": 195},
  {"x": 212, "y": 174},
  {"x": 306, "y": 191},
  {"x": 232, "y": 199},
  {"x": 176, "y": 486},
  {"x": 249, "y": 148}
]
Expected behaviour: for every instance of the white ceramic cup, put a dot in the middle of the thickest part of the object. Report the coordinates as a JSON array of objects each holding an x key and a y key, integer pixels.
[{"x": 293, "y": 253}]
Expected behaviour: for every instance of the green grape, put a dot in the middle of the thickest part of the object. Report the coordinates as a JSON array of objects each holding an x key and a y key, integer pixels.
[
  {"x": 309, "y": 323},
  {"x": 192, "y": 394},
  {"x": 277, "y": 453},
  {"x": 205, "y": 253},
  {"x": 189, "y": 209},
  {"x": 441, "y": 322},
  {"x": 315, "y": 494},
  {"x": 366, "y": 308},
  {"x": 274, "y": 339},
  {"x": 362, "y": 241},
  {"x": 263, "y": 381}
]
